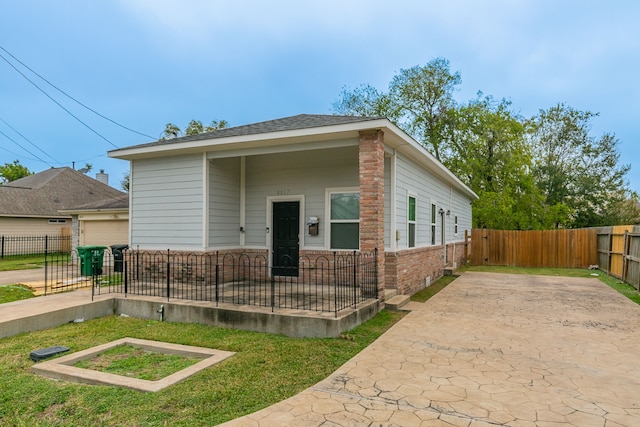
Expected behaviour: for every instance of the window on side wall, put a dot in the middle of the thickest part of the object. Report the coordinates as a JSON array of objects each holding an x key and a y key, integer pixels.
[
  {"x": 411, "y": 221},
  {"x": 455, "y": 225},
  {"x": 433, "y": 224},
  {"x": 344, "y": 220}
]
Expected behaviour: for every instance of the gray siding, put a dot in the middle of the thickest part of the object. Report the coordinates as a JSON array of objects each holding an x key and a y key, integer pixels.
[
  {"x": 224, "y": 202},
  {"x": 428, "y": 189},
  {"x": 306, "y": 173},
  {"x": 166, "y": 202}
]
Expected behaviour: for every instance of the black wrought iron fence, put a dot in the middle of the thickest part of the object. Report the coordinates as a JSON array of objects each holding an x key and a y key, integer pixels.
[
  {"x": 33, "y": 245},
  {"x": 328, "y": 282}
]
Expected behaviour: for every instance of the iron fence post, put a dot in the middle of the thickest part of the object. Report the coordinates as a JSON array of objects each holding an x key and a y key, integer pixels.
[
  {"x": 168, "y": 273},
  {"x": 355, "y": 279},
  {"x": 2, "y": 249},
  {"x": 375, "y": 276},
  {"x": 273, "y": 290},
  {"x": 125, "y": 270},
  {"x": 335, "y": 285},
  {"x": 217, "y": 279},
  {"x": 46, "y": 268}
]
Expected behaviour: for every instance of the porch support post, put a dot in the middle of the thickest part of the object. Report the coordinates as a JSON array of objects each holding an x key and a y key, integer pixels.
[{"x": 371, "y": 169}]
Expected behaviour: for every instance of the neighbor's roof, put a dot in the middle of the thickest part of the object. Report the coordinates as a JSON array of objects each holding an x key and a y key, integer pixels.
[
  {"x": 119, "y": 203},
  {"x": 45, "y": 193}
]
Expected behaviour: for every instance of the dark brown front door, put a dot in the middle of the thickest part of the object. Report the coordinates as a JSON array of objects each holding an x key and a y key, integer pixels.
[{"x": 286, "y": 231}]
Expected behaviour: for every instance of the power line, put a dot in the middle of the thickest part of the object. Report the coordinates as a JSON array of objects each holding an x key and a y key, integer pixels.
[
  {"x": 56, "y": 102},
  {"x": 18, "y": 155},
  {"x": 27, "y": 139},
  {"x": 73, "y": 99},
  {"x": 16, "y": 142}
]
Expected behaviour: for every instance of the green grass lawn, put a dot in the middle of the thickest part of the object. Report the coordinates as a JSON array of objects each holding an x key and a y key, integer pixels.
[
  {"x": 266, "y": 369},
  {"x": 27, "y": 262},
  {"x": 434, "y": 288},
  {"x": 134, "y": 362},
  {"x": 10, "y": 293}
]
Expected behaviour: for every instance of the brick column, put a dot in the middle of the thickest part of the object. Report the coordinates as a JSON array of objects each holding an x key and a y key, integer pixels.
[{"x": 371, "y": 168}]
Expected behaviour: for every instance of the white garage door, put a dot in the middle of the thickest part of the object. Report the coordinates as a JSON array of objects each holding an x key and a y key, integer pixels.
[{"x": 111, "y": 232}]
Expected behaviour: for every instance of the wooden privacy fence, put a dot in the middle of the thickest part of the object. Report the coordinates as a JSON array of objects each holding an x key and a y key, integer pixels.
[
  {"x": 619, "y": 254},
  {"x": 574, "y": 248}
]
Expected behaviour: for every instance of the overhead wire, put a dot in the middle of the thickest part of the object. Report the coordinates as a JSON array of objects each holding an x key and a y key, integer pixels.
[
  {"x": 74, "y": 99},
  {"x": 56, "y": 102},
  {"x": 18, "y": 155},
  {"x": 33, "y": 154},
  {"x": 29, "y": 141}
]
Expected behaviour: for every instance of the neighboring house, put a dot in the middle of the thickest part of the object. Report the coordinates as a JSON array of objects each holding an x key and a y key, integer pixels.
[
  {"x": 31, "y": 205},
  {"x": 103, "y": 222},
  {"x": 300, "y": 185}
]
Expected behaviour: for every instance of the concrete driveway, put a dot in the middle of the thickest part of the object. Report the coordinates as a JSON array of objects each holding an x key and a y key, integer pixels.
[{"x": 490, "y": 349}]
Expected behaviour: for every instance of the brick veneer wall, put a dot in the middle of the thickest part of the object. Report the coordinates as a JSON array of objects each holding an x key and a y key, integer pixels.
[
  {"x": 406, "y": 270},
  {"x": 371, "y": 178}
]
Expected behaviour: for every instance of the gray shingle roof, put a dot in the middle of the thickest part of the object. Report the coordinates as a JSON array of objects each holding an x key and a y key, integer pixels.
[
  {"x": 45, "y": 193},
  {"x": 301, "y": 121}
]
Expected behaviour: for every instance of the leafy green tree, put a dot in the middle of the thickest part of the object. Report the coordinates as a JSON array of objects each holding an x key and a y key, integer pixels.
[
  {"x": 418, "y": 101},
  {"x": 124, "y": 183},
  {"x": 546, "y": 172},
  {"x": 194, "y": 127},
  {"x": 170, "y": 131},
  {"x": 579, "y": 171},
  {"x": 488, "y": 151},
  {"x": 12, "y": 171}
]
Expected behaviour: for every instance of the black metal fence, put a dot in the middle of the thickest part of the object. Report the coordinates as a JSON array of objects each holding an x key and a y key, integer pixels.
[
  {"x": 33, "y": 245},
  {"x": 328, "y": 282}
]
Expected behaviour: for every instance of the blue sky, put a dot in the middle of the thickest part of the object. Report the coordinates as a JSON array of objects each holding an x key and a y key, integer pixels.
[{"x": 144, "y": 63}]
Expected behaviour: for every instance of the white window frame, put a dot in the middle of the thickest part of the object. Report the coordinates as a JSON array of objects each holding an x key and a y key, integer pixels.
[
  {"x": 455, "y": 225},
  {"x": 413, "y": 222},
  {"x": 434, "y": 223},
  {"x": 327, "y": 204}
]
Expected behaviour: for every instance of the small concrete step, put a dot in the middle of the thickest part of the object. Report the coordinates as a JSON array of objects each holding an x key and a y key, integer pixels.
[
  {"x": 397, "y": 302},
  {"x": 390, "y": 293}
]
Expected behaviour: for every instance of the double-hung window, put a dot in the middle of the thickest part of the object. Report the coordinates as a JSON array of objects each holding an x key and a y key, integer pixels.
[
  {"x": 344, "y": 220},
  {"x": 433, "y": 224},
  {"x": 411, "y": 221}
]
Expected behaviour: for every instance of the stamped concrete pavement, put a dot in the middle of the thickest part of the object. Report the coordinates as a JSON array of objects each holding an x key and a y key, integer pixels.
[{"x": 490, "y": 349}]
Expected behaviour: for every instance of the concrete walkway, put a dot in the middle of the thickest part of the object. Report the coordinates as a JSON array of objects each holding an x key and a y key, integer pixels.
[
  {"x": 490, "y": 349},
  {"x": 22, "y": 276}
]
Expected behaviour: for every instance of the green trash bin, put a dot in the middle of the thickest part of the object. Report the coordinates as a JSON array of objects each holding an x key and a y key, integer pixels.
[{"x": 91, "y": 258}]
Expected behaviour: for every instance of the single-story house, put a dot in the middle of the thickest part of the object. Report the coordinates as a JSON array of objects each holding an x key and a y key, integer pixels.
[
  {"x": 300, "y": 185},
  {"x": 32, "y": 205}
]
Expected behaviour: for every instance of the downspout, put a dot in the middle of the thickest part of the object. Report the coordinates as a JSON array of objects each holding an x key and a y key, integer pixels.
[
  {"x": 454, "y": 237},
  {"x": 393, "y": 243}
]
